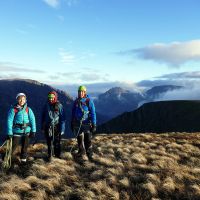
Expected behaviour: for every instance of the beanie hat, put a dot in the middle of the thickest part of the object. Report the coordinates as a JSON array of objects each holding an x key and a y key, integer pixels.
[
  {"x": 54, "y": 95},
  {"x": 20, "y": 94}
]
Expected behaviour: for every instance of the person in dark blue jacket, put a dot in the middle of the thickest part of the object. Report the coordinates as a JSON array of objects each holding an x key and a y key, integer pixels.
[
  {"x": 21, "y": 125},
  {"x": 83, "y": 122},
  {"x": 53, "y": 124}
]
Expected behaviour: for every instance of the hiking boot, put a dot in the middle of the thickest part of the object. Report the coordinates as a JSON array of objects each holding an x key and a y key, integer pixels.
[
  {"x": 80, "y": 153},
  {"x": 90, "y": 155},
  {"x": 49, "y": 158},
  {"x": 84, "y": 157},
  {"x": 23, "y": 159}
]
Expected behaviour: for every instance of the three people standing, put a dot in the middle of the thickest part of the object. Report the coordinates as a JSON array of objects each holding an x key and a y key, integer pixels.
[{"x": 21, "y": 123}]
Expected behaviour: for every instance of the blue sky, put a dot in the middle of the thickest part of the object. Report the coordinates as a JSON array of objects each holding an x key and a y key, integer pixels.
[{"x": 100, "y": 43}]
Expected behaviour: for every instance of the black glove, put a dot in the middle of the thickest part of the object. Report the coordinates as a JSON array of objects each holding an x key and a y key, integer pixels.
[
  {"x": 9, "y": 137},
  {"x": 32, "y": 134},
  {"x": 94, "y": 128}
]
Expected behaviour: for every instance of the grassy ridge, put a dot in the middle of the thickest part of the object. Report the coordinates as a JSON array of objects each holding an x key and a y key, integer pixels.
[
  {"x": 157, "y": 117},
  {"x": 125, "y": 166}
]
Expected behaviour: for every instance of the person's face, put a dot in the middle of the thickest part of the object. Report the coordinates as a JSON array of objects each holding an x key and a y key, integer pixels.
[
  {"x": 51, "y": 98},
  {"x": 81, "y": 94},
  {"x": 21, "y": 100}
]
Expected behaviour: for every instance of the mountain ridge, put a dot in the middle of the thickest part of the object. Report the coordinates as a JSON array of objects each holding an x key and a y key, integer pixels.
[{"x": 161, "y": 116}]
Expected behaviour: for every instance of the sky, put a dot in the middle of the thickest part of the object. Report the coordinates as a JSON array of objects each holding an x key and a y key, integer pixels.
[{"x": 101, "y": 43}]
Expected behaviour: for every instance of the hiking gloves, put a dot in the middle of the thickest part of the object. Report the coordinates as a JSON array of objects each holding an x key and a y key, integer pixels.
[
  {"x": 94, "y": 128},
  {"x": 32, "y": 134}
]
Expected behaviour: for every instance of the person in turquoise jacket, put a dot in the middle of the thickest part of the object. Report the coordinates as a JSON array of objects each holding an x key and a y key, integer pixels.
[{"x": 21, "y": 125}]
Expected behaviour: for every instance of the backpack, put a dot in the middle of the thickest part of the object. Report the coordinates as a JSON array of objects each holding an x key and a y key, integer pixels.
[{"x": 16, "y": 110}]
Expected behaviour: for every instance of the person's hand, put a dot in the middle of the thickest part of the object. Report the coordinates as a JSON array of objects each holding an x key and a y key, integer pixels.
[
  {"x": 62, "y": 133},
  {"x": 94, "y": 128},
  {"x": 9, "y": 137},
  {"x": 42, "y": 131},
  {"x": 32, "y": 134}
]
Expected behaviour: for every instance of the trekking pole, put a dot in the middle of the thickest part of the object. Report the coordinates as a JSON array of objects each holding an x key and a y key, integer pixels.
[
  {"x": 8, "y": 156},
  {"x": 3, "y": 144},
  {"x": 52, "y": 141}
]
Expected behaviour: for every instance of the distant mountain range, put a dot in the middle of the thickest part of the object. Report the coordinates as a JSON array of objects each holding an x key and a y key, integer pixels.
[
  {"x": 117, "y": 100},
  {"x": 163, "y": 116}
]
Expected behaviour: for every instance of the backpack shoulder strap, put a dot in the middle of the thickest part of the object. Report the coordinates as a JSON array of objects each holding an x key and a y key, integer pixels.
[
  {"x": 16, "y": 110},
  {"x": 88, "y": 102},
  {"x": 27, "y": 109}
]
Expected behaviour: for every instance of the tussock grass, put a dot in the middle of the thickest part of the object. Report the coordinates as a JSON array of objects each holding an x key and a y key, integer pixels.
[{"x": 125, "y": 166}]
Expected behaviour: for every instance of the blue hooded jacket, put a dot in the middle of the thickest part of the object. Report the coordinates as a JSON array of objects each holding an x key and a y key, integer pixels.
[
  {"x": 84, "y": 109},
  {"x": 19, "y": 115}
]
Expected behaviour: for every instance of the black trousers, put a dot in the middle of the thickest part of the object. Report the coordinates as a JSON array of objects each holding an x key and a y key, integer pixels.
[
  {"x": 24, "y": 144},
  {"x": 84, "y": 138},
  {"x": 53, "y": 142}
]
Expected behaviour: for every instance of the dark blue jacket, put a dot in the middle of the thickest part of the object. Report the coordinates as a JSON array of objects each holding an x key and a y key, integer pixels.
[
  {"x": 53, "y": 114},
  {"x": 84, "y": 109}
]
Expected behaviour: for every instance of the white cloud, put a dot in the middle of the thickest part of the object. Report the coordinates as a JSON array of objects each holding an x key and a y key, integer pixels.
[
  {"x": 71, "y": 2},
  {"x": 90, "y": 77},
  {"x": 182, "y": 75},
  {"x": 14, "y": 67},
  {"x": 66, "y": 57},
  {"x": 56, "y": 3},
  {"x": 52, "y": 3},
  {"x": 97, "y": 88},
  {"x": 173, "y": 54},
  {"x": 190, "y": 93}
]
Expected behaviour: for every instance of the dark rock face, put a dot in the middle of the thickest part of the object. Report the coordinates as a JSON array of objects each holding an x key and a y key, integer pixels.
[{"x": 163, "y": 116}]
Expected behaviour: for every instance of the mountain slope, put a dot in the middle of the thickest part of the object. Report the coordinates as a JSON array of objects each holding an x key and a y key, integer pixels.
[
  {"x": 36, "y": 97},
  {"x": 163, "y": 116}
]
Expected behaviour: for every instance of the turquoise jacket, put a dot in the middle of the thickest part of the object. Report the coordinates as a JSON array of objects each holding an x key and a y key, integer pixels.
[{"x": 17, "y": 116}]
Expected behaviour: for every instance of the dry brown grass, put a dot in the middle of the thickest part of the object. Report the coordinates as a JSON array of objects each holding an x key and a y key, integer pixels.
[{"x": 125, "y": 166}]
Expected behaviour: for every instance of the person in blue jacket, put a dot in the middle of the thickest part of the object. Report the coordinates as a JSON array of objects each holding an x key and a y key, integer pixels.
[
  {"x": 53, "y": 124},
  {"x": 21, "y": 125},
  {"x": 83, "y": 122}
]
